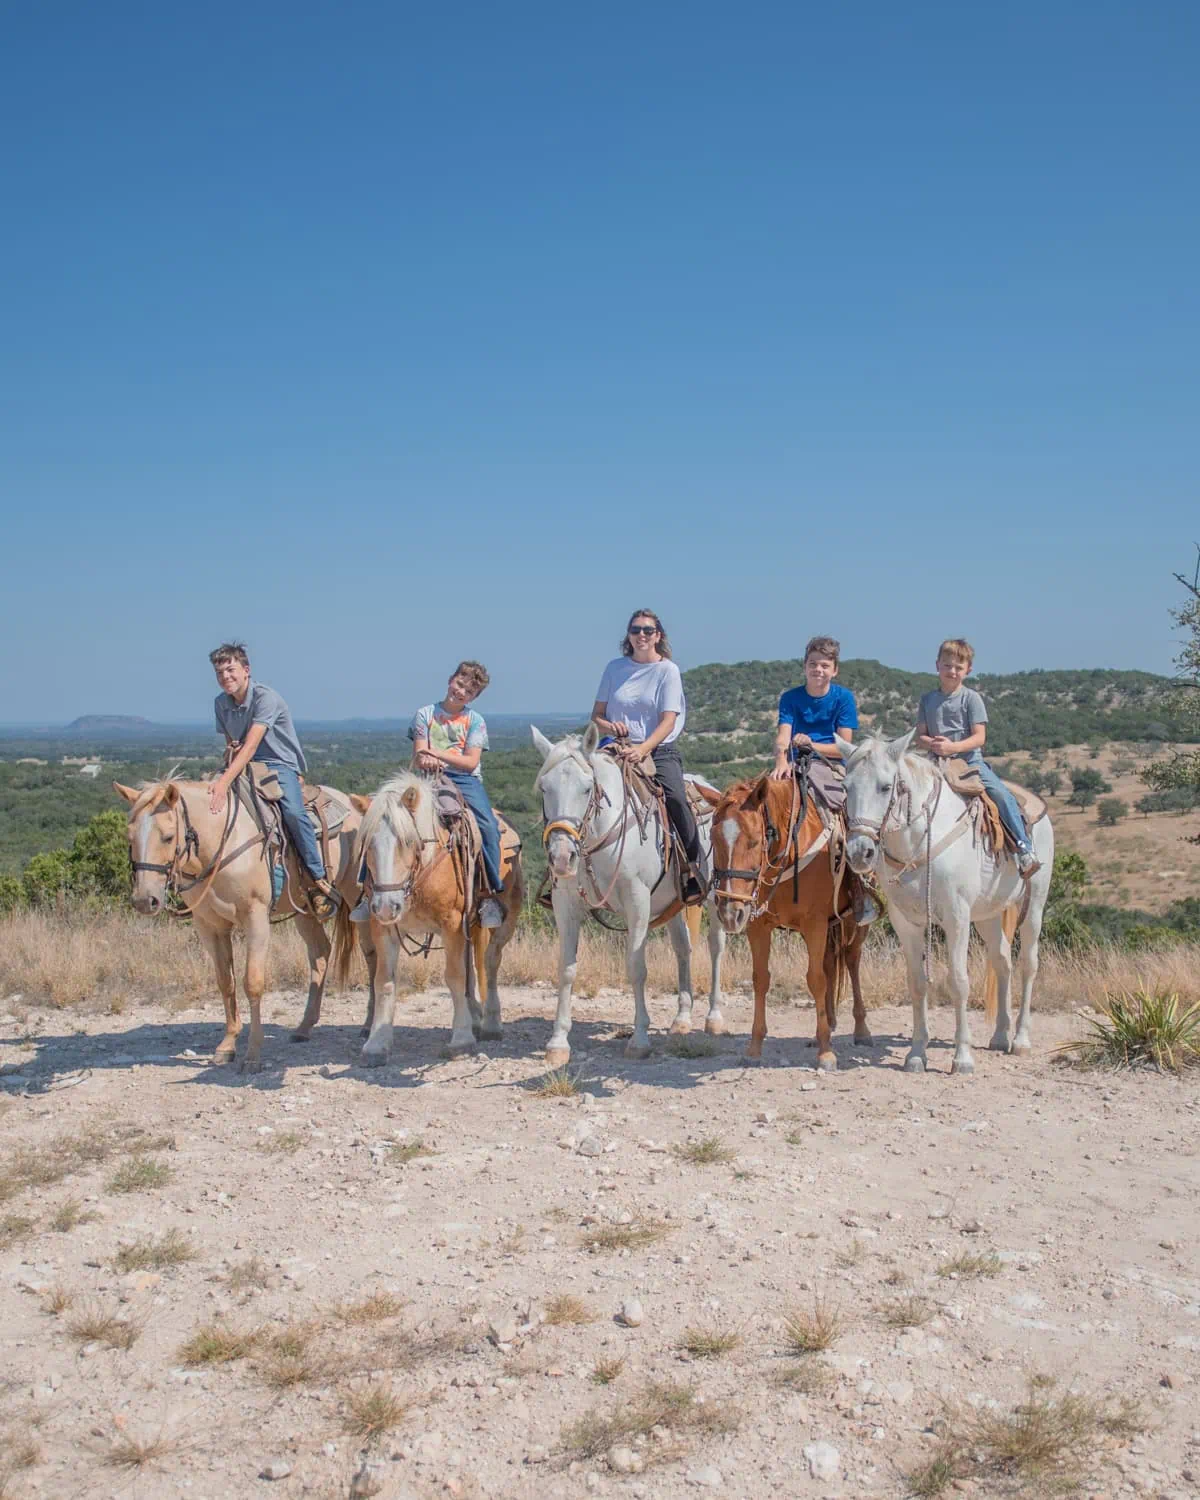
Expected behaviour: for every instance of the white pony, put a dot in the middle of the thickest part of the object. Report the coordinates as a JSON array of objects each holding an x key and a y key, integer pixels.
[
  {"x": 908, "y": 823},
  {"x": 601, "y": 856}
]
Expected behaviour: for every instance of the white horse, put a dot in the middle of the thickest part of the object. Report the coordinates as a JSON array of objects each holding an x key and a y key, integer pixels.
[
  {"x": 601, "y": 856},
  {"x": 908, "y": 823}
]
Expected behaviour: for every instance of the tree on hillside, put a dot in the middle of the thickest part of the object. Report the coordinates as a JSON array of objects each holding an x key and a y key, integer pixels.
[
  {"x": 1110, "y": 811},
  {"x": 1183, "y": 770},
  {"x": 1062, "y": 924},
  {"x": 1086, "y": 786}
]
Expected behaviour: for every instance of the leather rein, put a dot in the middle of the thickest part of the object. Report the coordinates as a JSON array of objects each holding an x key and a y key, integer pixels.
[
  {"x": 580, "y": 833},
  {"x": 187, "y": 847},
  {"x": 771, "y": 870}
]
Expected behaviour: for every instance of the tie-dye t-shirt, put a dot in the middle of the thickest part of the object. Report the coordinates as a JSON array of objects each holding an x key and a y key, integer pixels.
[{"x": 443, "y": 731}]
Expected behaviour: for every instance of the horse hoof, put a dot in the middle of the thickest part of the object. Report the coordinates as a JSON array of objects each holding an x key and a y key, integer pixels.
[
  {"x": 491, "y": 1034},
  {"x": 637, "y": 1051},
  {"x": 753, "y": 1056},
  {"x": 681, "y": 1028},
  {"x": 557, "y": 1057},
  {"x": 827, "y": 1062},
  {"x": 301, "y": 1036},
  {"x": 461, "y": 1049},
  {"x": 866, "y": 1040},
  {"x": 963, "y": 1066},
  {"x": 250, "y": 1065},
  {"x": 223, "y": 1056},
  {"x": 372, "y": 1059},
  {"x": 914, "y": 1064},
  {"x": 999, "y": 1044},
  {"x": 715, "y": 1026},
  {"x": 1021, "y": 1049}
]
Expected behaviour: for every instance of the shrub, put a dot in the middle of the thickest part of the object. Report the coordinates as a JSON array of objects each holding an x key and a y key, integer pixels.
[
  {"x": 1140, "y": 1029},
  {"x": 1111, "y": 810}
]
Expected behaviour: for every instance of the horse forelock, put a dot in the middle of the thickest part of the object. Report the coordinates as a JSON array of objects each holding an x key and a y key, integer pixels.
[
  {"x": 152, "y": 792},
  {"x": 570, "y": 748},
  {"x": 387, "y": 805}
]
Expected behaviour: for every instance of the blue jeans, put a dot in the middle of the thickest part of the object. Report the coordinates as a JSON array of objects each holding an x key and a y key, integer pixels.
[
  {"x": 475, "y": 796},
  {"x": 1006, "y": 803},
  {"x": 296, "y": 820}
]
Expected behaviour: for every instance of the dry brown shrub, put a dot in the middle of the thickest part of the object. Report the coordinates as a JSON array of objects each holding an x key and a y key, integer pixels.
[
  {"x": 373, "y": 1409},
  {"x": 565, "y": 1308},
  {"x": 93, "y": 1325},
  {"x": 217, "y": 1344},
  {"x": 706, "y": 1341},
  {"x": 658, "y": 1403},
  {"x": 812, "y": 1331},
  {"x": 155, "y": 1253},
  {"x": 635, "y": 1236}
]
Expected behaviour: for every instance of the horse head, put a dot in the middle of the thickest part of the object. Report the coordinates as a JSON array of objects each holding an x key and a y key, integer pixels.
[
  {"x": 155, "y": 838},
  {"x": 740, "y": 843},
  {"x": 876, "y": 783},
  {"x": 567, "y": 782},
  {"x": 398, "y": 823}
]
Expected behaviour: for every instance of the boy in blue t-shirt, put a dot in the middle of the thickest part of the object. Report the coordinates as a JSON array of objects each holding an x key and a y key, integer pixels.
[{"x": 815, "y": 716}]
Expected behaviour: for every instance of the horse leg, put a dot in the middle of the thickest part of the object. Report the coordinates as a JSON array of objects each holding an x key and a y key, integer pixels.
[
  {"x": 637, "y": 922},
  {"x": 957, "y": 927},
  {"x": 493, "y": 1025},
  {"x": 681, "y": 940},
  {"x": 715, "y": 1025},
  {"x": 258, "y": 938},
  {"x": 219, "y": 943},
  {"x": 566, "y": 919},
  {"x": 471, "y": 972},
  {"x": 759, "y": 937},
  {"x": 912, "y": 940},
  {"x": 377, "y": 1048},
  {"x": 853, "y": 952},
  {"x": 1031, "y": 933},
  {"x": 462, "y": 1032},
  {"x": 366, "y": 942},
  {"x": 999, "y": 957},
  {"x": 317, "y": 944},
  {"x": 815, "y": 936}
]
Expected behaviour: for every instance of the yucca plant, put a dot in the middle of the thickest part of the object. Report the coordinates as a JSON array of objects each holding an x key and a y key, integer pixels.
[{"x": 1140, "y": 1028}]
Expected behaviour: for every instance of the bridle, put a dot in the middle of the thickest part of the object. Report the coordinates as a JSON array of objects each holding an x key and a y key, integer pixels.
[
  {"x": 187, "y": 846},
  {"x": 580, "y": 833},
  {"x": 418, "y": 873},
  {"x": 769, "y": 870}
]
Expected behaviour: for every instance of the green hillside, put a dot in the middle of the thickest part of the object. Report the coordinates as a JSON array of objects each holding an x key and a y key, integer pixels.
[{"x": 1039, "y": 710}]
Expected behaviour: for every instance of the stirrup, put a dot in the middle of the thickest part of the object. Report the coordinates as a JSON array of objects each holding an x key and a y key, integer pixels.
[{"x": 322, "y": 899}]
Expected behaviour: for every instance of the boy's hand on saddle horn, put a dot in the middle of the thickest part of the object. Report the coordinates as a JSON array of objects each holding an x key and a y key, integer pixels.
[
  {"x": 801, "y": 742},
  {"x": 216, "y": 795}
]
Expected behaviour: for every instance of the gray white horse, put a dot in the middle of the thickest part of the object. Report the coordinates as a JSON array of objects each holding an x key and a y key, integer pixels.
[
  {"x": 601, "y": 856},
  {"x": 906, "y": 822}
]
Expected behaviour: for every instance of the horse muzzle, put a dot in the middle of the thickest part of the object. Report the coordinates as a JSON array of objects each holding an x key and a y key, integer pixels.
[
  {"x": 147, "y": 903},
  {"x": 562, "y": 855},
  {"x": 733, "y": 913},
  {"x": 862, "y": 853},
  {"x": 389, "y": 906}
]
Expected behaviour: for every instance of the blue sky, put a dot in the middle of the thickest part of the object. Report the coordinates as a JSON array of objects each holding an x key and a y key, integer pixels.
[{"x": 380, "y": 335}]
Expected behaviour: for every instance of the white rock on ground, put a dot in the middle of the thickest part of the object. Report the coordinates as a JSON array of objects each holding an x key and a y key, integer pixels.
[{"x": 824, "y": 1461}]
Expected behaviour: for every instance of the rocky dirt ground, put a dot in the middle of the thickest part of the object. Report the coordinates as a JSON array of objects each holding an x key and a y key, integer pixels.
[{"x": 427, "y": 1279}]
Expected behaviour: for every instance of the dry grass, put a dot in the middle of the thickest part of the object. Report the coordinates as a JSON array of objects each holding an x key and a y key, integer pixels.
[
  {"x": 51, "y": 1161},
  {"x": 19, "y": 1450},
  {"x": 711, "y": 1151},
  {"x": 559, "y": 1083},
  {"x": 1045, "y": 1444},
  {"x": 635, "y": 1236},
  {"x": 130, "y": 1452},
  {"x": 564, "y": 1309},
  {"x": 281, "y": 1143},
  {"x": 907, "y": 1312},
  {"x": 140, "y": 1174},
  {"x": 813, "y": 1331},
  {"x": 249, "y": 1273},
  {"x": 853, "y": 1255},
  {"x": 69, "y": 1215},
  {"x": 374, "y": 1308},
  {"x": 13, "y": 1229},
  {"x": 58, "y": 1299},
  {"x": 217, "y": 1344},
  {"x": 155, "y": 1254},
  {"x": 656, "y": 1404},
  {"x": 704, "y": 1341},
  {"x": 512, "y": 1243},
  {"x": 92, "y": 1325},
  {"x": 605, "y": 1371},
  {"x": 373, "y": 1409},
  {"x": 969, "y": 1265},
  {"x": 810, "y": 1377},
  {"x": 692, "y": 1047},
  {"x": 90, "y": 958},
  {"x": 406, "y": 1151}
]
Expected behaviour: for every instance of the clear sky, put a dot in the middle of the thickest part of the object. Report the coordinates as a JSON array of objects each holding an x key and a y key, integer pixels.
[{"x": 379, "y": 334}]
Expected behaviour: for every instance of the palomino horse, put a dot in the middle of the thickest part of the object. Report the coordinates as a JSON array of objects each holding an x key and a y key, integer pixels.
[
  {"x": 601, "y": 855},
  {"x": 907, "y": 822},
  {"x": 215, "y": 863},
  {"x": 772, "y": 869},
  {"x": 417, "y": 889}
]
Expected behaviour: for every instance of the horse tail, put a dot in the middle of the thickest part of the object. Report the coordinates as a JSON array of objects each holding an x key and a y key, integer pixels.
[
  {"x": 345, "y": 940},
  {"x": 1012, "y": 915}
]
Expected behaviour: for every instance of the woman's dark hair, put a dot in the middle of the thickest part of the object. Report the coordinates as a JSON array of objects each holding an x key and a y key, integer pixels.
[{"x": 664, "y": 646}]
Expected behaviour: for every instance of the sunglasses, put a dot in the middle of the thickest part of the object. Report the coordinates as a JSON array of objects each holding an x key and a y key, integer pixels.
[{"x": 643, "y": 630}]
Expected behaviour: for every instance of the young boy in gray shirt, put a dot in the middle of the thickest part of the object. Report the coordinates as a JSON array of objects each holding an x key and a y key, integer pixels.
[{"x": 952, "y": 720}]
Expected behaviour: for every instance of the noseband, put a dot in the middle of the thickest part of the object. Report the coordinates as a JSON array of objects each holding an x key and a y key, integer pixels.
[{"x": 768, "y": 868}]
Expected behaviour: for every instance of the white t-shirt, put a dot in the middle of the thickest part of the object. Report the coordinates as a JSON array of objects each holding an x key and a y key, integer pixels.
[{"x": 640, "y": 693}]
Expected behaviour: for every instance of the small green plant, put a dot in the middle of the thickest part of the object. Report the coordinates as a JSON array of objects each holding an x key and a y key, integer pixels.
[
  {"x": 812, "y": 1332},
  {"x": 706, "y": 1342},
  {"x": 711, "y": 1151},
  {"x": 68, "y": 1215},
  {"x": 155, "y": 1254},
  {"x": 281, "y": 1143},
  {"x": 810, "y": 1377},
  {"x": 659, "y": 1403},
  {"x": 605, "y": 1371},
  {"x": 140, "y": 1174},
  {"x": 610, "y": 1237},
  {"x": 217, "y": 1344},
  {"x": 692, "y": 1047},
  {"x": 402, "y": 1152},
  {"x": 1140, "y": 1029},
  {"x": 967, "y": 1265},
  {"x": 13, "y": 1229}
]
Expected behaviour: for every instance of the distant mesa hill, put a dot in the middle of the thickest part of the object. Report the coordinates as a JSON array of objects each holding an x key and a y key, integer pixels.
[
  {"x": 110, "y": 723},
  {"x": 1026, "y": 710}
]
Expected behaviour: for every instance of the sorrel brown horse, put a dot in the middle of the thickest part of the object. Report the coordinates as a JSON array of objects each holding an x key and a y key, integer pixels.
[
  {"x": 417, "y": 889},
  {"x": 215, "y": 863},
  {"x": 771, "y": 868}
]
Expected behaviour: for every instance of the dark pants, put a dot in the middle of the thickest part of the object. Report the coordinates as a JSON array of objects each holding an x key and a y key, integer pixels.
[
  {"x": 669, "y": 769},
  {"x": 476, "y": 798}
]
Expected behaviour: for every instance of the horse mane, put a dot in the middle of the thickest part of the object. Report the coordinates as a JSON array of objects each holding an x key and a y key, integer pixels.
[{"x": 387, "y": 805}]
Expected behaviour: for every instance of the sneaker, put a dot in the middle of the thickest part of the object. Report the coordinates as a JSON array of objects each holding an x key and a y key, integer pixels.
[
  {"x": 491, "y": 913},
  {"x": 1028, "y": 864},
  {"x": 362, "y": 912},
  {"x": 868, "y": 912}
]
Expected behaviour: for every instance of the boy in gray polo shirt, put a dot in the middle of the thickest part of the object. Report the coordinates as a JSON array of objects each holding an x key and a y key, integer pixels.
[
  {"x": 257, "y": 725},
  {"x": 952, "y": 720}
]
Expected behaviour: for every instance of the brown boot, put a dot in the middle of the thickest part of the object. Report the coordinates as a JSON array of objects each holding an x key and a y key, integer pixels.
[{"x": 322, "y": 899}]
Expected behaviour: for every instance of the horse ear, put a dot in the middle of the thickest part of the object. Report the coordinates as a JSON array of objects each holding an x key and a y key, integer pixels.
[
  {"x": 843, "y": 747},
  {"x": 125, "y": 791},
  {"x": 411, "y": 798},
  {"x": 171, "y": 794},
  {"x": 360, "y": 804},
  {"x": 898, "y": 749},
  {"x": 758, "y": 792},
  {"x": 591, "y": 738},
  {"x": 540, "y": 743}
]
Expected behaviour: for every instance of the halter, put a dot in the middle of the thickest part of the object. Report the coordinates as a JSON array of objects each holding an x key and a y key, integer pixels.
[
  {"x": 579, "y": 833},
  {"x": 417, "y": 872},
  {"x": 768, "y": 867},
  {"x": 187, "y": 845}
]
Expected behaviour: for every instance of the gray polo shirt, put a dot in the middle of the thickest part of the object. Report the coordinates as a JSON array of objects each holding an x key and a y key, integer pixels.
[
  {"x": 262, "y": 705},
  {"x": 954, "y": 715}
]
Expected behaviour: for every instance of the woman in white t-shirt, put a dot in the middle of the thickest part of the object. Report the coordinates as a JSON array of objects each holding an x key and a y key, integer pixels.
[{"x": 640, "y": 703}]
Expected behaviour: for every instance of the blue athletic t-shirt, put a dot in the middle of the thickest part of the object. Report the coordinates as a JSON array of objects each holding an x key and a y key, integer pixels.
[{"x": 818, "y": 717}]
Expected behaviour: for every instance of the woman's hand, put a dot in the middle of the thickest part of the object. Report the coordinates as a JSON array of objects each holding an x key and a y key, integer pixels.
[
  {"x": 619, "y": 728},
  {"x": 634, "y": 753}
]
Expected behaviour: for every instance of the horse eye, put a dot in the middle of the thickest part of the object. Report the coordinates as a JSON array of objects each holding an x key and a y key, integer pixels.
[{"x": 885, "y": 786}]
